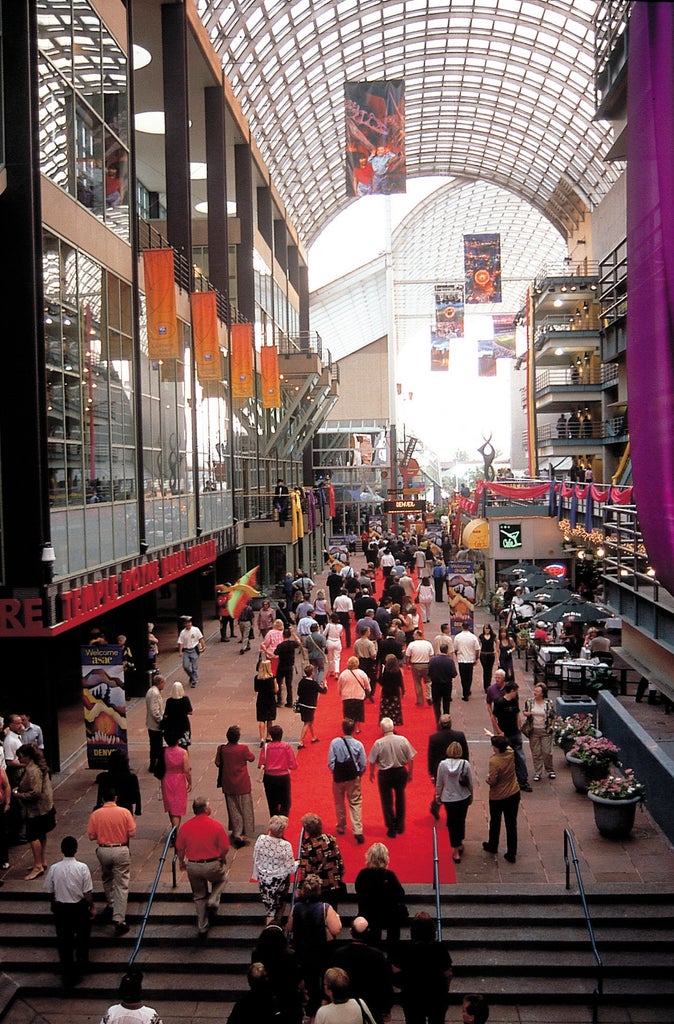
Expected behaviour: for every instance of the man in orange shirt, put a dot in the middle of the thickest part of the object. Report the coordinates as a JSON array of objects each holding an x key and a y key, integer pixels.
[
  {"x": 202, "y": 845},
  {"x": 112, "y": 827}
]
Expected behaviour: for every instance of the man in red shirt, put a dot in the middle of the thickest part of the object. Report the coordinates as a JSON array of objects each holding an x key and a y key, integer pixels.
[
  {"x": 232, "y": 760},
  {"x": 202, "y": 845}
]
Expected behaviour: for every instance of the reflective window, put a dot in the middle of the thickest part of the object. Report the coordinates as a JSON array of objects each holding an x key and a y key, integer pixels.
[
  {"x": 84, "y": 117},
  {"x": 91, "y": 442}
]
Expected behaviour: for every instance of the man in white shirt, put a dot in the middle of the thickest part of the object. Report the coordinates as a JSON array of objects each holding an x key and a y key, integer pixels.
[
  {"x": 417, "y": 656},
  {"x": 444, "y": 637},
  {"x": 386, "y": 562},
  {"x": 190, "y": 646},
  {"x": 393, "y": 755},
  {"x": 343, "y": 607},
  {"x": 467, "y": 651},
  {"x": 407, "y": 583},
  {"x": 71, "y": 888},
  {"x": 13, "y": 740}
]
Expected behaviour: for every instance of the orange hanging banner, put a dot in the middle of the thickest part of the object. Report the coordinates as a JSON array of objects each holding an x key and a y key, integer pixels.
[
  {"x": 205, "y": 335},
  {"x": 242, "y": 361},
  {"x": 271, "y": 384},
  {"x": 160, "y": 300}
]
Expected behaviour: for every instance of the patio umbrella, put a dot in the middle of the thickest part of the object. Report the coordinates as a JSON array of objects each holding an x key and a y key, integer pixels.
[
  {"x": 516, "y": 570},
  {"x": 553, "y": 595},
  {"x": 534, "y": 581},
  {"x": 574, "y": 610}
]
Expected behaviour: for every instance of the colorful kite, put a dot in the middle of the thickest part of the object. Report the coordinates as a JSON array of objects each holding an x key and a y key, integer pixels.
[{"x": 240, "y": 592}]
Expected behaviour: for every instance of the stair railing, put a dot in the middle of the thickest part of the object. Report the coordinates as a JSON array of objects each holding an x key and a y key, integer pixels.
[
  {"x": 295, "y": 880},
  {"x": 569, "y": 847},
  {"x": 436, "y": 882},
  {"x": 141, "y": 931}
]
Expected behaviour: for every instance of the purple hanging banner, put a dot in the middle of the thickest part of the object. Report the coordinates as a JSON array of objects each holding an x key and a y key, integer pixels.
[{"x": 650, "y": 257}]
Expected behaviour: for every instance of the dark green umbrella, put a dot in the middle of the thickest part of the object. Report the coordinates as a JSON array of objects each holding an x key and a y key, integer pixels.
[{"x": 574, "y": 610}]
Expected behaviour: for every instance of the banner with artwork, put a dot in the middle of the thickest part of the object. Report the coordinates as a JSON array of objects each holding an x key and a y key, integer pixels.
[
  {"x": 504, "y": 335},
  {"x": 449, "y": 312},
  {"x": 104, "y": 702},
  {"x": 160, "y": 304},
  {"x": 375, "y": 138},
  {"x": 461, "y": 594},
  {"x": 486, "y": 358},
  {"x": 439, "y": 352},
  {"x": 482, "y": 268}
]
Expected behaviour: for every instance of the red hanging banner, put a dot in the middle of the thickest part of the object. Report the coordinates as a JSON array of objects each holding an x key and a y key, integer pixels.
[
  {"x": 160, "y": 301},
  {"x": 206, "y": 336},
  {"x": 271, "y": 384},
  {"x": 242, "y": 360}
]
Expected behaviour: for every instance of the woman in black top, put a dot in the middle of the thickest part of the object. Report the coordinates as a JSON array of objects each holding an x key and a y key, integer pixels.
[
  {"x": 266, "y": 689},
  {"x": 381, "y": 897},
  {"x": 308, "y": 690},
  {"x": 487, "y": 640},
  {"x": 176, "y": 720},
  {"x": 124, "y": 782}
]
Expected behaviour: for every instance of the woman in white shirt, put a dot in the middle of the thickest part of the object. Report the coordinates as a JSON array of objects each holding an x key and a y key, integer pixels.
[{"x": 333, "y": 637}]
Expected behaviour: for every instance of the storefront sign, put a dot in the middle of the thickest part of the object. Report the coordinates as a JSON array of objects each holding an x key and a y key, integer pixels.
[
  {"x": 23, "y": 617},
  {"x": 510, "y": 535},
  {"x": 404, "y": 505}
]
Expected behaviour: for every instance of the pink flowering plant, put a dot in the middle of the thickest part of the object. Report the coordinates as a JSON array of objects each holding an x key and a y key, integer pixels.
[
  {"x": 594, "y": 750},
  {"x": 618, "y": 787},
  {"x": 575, "y": 725}
]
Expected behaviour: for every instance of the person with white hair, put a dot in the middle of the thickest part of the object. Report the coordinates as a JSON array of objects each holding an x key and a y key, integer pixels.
[
  {"x": 177, "y": 711},
  {"x": 393, "y": 756}
]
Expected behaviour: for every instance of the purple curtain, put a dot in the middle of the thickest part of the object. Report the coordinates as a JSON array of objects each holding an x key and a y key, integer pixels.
[{"x": 650, "y": 257}]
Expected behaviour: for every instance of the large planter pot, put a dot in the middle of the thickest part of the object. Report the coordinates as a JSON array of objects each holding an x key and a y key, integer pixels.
[
  {"x": 582, "y": 773},
  {"x": 614, "y": 818},
  {"x": 566, "y": 744}
]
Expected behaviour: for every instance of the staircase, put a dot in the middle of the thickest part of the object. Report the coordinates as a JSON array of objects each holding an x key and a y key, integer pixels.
[{"x": 519, "y": 949}]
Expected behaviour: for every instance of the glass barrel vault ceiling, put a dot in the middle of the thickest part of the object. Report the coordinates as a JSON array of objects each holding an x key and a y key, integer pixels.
[{"x": 496, "y": 90}]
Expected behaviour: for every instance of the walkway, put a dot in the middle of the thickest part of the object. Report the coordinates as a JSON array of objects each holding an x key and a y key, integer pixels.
[{"x": 225, "y": 696}]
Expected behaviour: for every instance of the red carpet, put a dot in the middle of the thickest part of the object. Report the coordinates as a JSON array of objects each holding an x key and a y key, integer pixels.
[{"x": 411, "y": 853}]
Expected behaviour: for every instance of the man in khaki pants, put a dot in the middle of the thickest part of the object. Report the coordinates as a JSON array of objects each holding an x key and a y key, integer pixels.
[{"x": 202, "y": 846}]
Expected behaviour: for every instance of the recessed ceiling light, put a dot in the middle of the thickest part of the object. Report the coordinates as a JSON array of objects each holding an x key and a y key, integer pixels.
[
  {"x": 203, "y": 208},
  {"x": 559, "y": 351},
  {"x": 151, "y": 122},
  {"x": 558, "y": 303},
  {"x": 141, "y": 57}
]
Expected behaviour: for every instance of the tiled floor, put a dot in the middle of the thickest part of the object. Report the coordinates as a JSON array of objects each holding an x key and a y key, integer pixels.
[{"x": 224, "y": 695}]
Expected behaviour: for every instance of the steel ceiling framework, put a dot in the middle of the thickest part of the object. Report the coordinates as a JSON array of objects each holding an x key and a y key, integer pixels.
[{"x": 499, "y": 91}]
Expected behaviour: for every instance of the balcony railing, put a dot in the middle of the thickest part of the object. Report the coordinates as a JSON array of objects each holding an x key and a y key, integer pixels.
[
  {"x": 586, "y": 270},
  {"x": 305, "y": 341},
  {"x": 575, "y": 378},
  {"x": 187, "y": 276},
  {"x": 605, "y": 431},
  {"x": 555, "y": 323}
]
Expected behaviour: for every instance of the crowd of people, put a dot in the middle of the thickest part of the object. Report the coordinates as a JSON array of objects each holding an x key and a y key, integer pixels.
[{"x": 366, "y": 632}]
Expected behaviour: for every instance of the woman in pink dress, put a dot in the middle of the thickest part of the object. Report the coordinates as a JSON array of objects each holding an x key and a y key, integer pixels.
[{"x": 177, "y": 780}]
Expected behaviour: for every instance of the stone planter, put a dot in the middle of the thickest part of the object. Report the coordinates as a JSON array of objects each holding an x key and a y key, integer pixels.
[
  {"x": 582, "y": 773},
  {"x": 614, "y": 818}
]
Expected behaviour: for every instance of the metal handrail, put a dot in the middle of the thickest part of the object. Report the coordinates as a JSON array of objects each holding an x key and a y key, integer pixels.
[
  {"x": 295, "y": 880},
  {"x": 146, "y": 915},
  {"x": 436, "y": 882},
  {"x": 599, "y": 989}
]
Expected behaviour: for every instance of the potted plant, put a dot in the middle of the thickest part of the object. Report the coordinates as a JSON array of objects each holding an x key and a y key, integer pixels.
[
  {"x": 566, "y": 730},
  {"x": 615, "y": 799},
  {"x": 522, "y": 637},
  {"x": 590, "y": 758}
]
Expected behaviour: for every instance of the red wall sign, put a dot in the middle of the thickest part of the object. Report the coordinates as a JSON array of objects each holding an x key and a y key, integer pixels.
[{"x": 24, "y": 617}]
